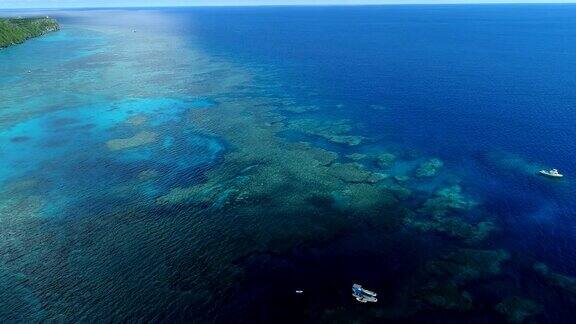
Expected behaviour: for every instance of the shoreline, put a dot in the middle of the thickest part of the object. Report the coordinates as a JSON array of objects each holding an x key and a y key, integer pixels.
[{"x": 14, "y": 31}]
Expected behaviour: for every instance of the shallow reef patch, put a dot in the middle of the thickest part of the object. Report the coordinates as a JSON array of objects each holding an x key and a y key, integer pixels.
[
  {"x": 18, "y": 208},
  {"x": 445, "y": 295},
  {"x": 148, "y": 174},
  {"x": 386, "y": 160},
  {"x": 300, "y": 109},
  {"x": 139, "y": 139},
  {"x": 137, "y": 120},
  {"x": 564, "y": 282},
  {"x": 429, "y": 168},
  {"x": 454, "y": 227},
  {"x": 356, "y": 156},
  {"x": 334, "y": 131},
  {"x": 518, "y": 310},
  {"x": 19, "y": 139},
  {"x": 446, "y": 200},
  {"x": 363, "y": 198},
  {"x": 352, "y": 173},
  {"x": 201, "y": 194},
  {"x": 465, "y": 265}
]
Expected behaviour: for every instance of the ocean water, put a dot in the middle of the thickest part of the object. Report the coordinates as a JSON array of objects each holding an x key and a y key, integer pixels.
[{"x": 202, "y": 164}]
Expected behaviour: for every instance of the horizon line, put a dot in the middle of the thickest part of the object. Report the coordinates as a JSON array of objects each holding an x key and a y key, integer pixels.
[{"x": 299, "y": 5}]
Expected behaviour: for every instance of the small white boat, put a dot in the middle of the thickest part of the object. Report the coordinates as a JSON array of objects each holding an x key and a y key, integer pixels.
[
  {"x": 363, "y": 295},
  {"x": 299, "y": 291},
  {"x": 553, "y": 173}
]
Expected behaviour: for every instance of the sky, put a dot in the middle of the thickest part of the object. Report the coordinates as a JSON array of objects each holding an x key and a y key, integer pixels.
[{"x": 9, "y": 4}]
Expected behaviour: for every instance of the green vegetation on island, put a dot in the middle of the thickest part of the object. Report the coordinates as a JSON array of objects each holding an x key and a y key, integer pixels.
[{"x": 17, "y": 30}]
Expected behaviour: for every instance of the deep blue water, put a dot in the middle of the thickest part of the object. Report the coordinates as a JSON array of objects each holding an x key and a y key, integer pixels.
[
  {"x": 460, "y": 82},
  {"x": 486, "y": 89}
]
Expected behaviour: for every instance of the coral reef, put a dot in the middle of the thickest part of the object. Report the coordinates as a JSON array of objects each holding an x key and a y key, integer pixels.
[
  {"x": 324, "y": 157},
  {"x": 141, "y": 138},
  {"x": 18, "y": 207},
  {"x": 20, "y": 186},
  {"x": 401, "y": 192},
  {"x": 201, "y": 194},
  {"x": 301, "y": 189},
  {"x": 363, "y": 199},
  {"x": 351, "y": 172},
  {"x": 435, "y": 216},
  {"x": 445, "y": 295},
  {"x": 517, "y": 309},
  {"x": 454, "y": 227},
  {"x": 265, "y": 194},
  {"x": 351, "y": 140},
  {"x": 564, "y": 282},
  {"x": 356, "y": 156},
  {"x": 19, "y": 139},
  {"x": 443, "y": 283},
  {"x": 465, "y": 265},
  {"x": 401, "y": 178},
  {"x": 385, "y": 160},
  {"x": 333, "y": 131},
  {"x": 429, "y": 168},
  {"x": 137, "y": 120},
  {"x": 317, "y": 127},
  {"x": 300, "y": 109},
  {"x": 446, "y": 200},
  {"x": 440, "y": 285},
  {"x": 148, "y": 174}
]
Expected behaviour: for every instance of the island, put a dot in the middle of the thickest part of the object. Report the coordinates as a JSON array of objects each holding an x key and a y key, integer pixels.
[{"x": 18, "y": 30}]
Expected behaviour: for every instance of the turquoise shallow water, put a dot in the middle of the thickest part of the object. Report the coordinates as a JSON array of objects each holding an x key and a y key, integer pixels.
[
  {"x": 170, "y": 165},
  {"x": 61, "y": 110},
  {"x": 71, "y": 94}
]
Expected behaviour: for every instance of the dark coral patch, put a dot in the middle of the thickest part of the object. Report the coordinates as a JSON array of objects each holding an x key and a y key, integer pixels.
[
  {"x": 19, "y": 139},
  {"x": 62, "y": 122}
]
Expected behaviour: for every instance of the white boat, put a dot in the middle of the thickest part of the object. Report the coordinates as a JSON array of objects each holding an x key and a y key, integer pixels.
[
  {"x": 553, "y": 173},
  {"x": 363, "y": 295}
]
